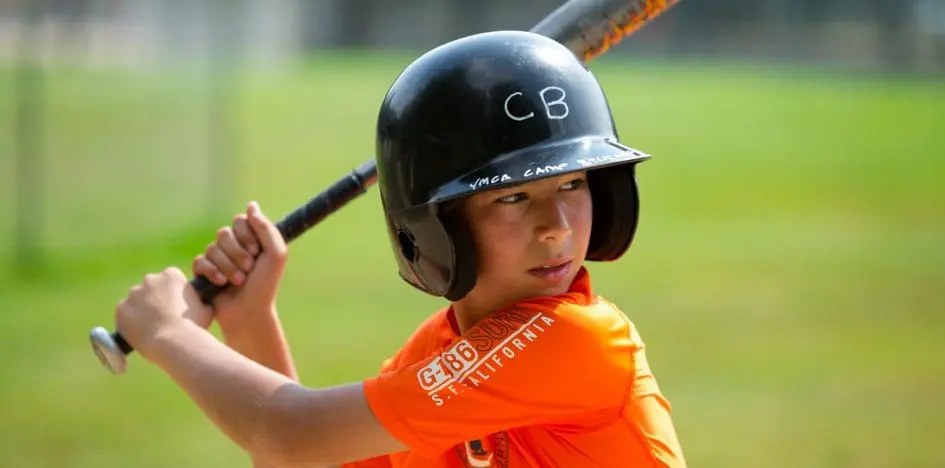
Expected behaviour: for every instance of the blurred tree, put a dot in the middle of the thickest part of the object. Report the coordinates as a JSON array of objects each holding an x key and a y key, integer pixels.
[
  {"x": 355, "y": 19},
  {"x": 469, "y": 17},
  {"x": 895, "y": 22}
]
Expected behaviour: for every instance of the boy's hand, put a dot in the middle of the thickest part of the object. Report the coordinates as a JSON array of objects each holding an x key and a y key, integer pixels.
[
  {"x": 161, "y": 302},
  {"x": 250, "y": 255}
]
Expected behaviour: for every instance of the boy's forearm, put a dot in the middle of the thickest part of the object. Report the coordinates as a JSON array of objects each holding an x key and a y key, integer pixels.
[
  {"x": 231, "y": 390},
  {"x": 263, "y": 341},
  {"x": 260, "y": 463}
]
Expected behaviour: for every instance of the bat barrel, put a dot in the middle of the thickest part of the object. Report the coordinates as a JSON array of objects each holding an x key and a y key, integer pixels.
[{"x": 589, "y": 27}]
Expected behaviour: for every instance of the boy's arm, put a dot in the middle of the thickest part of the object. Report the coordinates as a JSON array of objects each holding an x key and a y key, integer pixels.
[
  {"x": 261, "y": 463},
  {"x": 249, "y": 256},
  {"x": 266, "y": 464},
  {"x": 261, "y": 339},
  {"x": 264, "y": 342},
  {"x": 266, "y": 413}
]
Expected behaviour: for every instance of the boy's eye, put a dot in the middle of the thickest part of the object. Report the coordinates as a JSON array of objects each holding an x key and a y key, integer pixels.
[
  {"x": 512, "y": 198},
  {"x": 573, "y": 184}
]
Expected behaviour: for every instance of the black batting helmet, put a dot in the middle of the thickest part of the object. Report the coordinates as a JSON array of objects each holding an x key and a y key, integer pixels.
[{"x": 483, "y": 112}]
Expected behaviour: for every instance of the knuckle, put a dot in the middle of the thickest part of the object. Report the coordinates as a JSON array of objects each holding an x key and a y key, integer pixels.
[
  {"x": 247, "y": 238},
  {"x": 206, "y": 267},
  {"x": 245, "y": 234},
  {"x": 281, "y": 254},
  {"x": 218, "y": 257},
  {"x": 223, "y": 233},
  {"x": 224, "y": 264},
  {"x": 242, "y": 255}
]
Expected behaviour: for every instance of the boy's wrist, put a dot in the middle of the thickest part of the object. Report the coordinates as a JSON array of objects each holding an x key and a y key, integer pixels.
[
  {"x": 251, "y": 332},
  {"x": 243, "y": 324},
  {"x": 164, "y": 344},
  {"x": 261, "y": 340}
]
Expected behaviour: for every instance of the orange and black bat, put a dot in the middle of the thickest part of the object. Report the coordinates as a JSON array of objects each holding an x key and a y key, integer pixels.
[{"x": 589, "y": 28}]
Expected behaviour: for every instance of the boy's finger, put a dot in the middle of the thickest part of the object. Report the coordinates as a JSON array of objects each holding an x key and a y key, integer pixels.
[
  {"x": 218, "y": 257},
  {"x": 226, "y": 240},
  {"x": 245, "y": 235},
  {"x": 204, "y": 267},
  {"x": 270, "y": 238}
]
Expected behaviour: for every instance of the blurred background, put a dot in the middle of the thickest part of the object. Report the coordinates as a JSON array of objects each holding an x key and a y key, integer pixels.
[{"x": 786, "y": 276}]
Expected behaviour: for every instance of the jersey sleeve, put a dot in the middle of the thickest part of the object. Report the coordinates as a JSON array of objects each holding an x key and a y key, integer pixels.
[{"x": 529, "y": 365}]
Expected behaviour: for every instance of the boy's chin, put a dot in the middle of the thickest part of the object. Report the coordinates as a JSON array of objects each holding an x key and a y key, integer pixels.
[
  {"x": 555, "y": 290},
  {"x": 527, "y": 286},
  {"x": 540, "y": 288}
]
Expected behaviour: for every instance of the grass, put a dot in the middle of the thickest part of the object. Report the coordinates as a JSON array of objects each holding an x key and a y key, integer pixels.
[{"x": 785, "y": 277}]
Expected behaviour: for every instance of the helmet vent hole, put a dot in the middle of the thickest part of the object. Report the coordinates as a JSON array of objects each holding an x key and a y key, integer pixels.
[{"x": 407, "y": 247}]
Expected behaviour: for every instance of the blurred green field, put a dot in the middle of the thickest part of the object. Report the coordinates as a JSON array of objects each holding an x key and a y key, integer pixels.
[{"x": 786, "y": 276}]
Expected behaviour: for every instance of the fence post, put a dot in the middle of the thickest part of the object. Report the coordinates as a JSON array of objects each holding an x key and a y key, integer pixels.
[
  {"x": 224, "y": 171},
  {"x": 28, "y": 95}
]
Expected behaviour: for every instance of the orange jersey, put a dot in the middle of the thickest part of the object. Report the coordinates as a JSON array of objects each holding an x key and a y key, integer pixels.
[{"x": 553, "y": 381}]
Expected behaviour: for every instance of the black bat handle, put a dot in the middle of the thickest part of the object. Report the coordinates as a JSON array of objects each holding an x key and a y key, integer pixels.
[{"x": 112, "y": 349}]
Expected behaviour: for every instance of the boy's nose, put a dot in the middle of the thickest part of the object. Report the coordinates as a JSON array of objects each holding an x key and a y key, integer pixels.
[{"x": 552, "y": 222}]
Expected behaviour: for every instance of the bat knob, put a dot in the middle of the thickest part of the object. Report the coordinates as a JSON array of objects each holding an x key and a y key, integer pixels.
[{"x": 108, "y": 351}]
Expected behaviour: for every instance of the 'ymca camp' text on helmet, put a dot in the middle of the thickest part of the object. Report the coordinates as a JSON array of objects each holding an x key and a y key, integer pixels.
[{"x": 486, "y": 111}]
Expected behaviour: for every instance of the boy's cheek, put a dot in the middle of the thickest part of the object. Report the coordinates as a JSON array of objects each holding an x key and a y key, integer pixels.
[{"x": 500, "y": 255}]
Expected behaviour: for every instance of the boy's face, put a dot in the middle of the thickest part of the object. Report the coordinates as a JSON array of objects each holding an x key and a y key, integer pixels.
[{"x": 531, "y": 239}]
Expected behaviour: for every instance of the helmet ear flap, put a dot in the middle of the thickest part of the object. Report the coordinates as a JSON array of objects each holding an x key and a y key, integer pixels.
[
  {"x": 465, "y": 261},
  {"x": 616, "y": 207},
  {"x": 434, "y": 250}
]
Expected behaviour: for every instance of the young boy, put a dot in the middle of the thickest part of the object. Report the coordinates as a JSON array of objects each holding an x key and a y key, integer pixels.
[{"x": 500, "y": 174}]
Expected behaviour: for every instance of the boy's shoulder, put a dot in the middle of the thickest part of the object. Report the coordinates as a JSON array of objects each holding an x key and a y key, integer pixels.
[{"x": 580, "y": 317}]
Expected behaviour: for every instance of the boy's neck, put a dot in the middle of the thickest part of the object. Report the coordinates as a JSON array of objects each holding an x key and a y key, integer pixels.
[
  {"x": 470, "y": 310},
  {"x": 479, "y": 304}
]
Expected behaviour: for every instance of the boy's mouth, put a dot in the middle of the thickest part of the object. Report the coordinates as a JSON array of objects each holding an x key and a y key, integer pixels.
[{"x": 553, "y": 271}]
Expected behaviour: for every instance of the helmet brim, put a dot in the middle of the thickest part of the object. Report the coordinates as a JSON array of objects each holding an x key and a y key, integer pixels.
[{"x": 538, "y": 162}]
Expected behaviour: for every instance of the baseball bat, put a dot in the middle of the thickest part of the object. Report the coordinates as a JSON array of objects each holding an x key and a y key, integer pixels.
[{"x": 589, "y": 28}]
